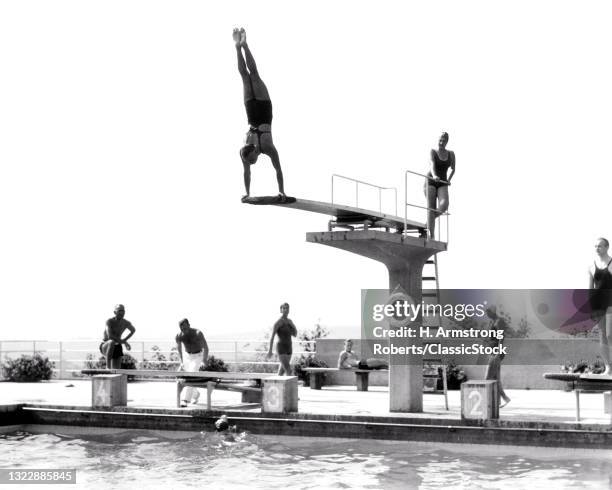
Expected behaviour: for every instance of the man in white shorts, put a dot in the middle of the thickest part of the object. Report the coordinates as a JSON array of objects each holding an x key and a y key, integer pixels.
[{"x": 194, "y": 357}]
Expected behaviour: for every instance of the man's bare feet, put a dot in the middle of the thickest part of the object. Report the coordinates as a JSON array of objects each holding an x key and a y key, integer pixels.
[
  {"x": 242, "y": 36},
  {"x": 245, "y": 197},
  {"x": 506, "y": 401},
  {"x": 236, "y": 35}
]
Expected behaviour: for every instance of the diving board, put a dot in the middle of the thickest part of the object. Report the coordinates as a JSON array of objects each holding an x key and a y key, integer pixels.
[
  {"x": 350, "y": 217},
  {"x": 578, "y": 382}
]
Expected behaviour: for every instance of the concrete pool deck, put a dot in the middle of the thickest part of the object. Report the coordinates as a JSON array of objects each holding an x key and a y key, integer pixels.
[{"x": 534, "y": 417}]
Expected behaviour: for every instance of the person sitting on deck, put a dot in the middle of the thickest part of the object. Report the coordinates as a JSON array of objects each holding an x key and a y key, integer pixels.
[
  {"x": 111, "y": 346},
  {"x": 194, "y": 357},
  {"x": 349, "y": 360},
  {"x": 259, "y": 113},
  {"x": 436, "y": 185},
  {"x": 285, "y": 329}
]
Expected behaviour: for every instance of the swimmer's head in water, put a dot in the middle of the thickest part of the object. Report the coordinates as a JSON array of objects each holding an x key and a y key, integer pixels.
[
  {"x": 284, "y": 308},
  {"x": 443, "y": 140},
  {"x": 601, "y": 246},
  {"x": 119, "y": 311},
  {"x": 222, "y": 424},
  {"x": 184, "y": 325},
  {"x": 249, "y": 153}
]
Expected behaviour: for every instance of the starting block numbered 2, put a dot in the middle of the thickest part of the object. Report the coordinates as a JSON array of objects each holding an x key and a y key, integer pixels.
[{"x": 479, "y": 400}]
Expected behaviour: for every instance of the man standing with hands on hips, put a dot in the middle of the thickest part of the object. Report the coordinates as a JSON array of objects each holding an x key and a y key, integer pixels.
[{"x": 194, "y": 357}]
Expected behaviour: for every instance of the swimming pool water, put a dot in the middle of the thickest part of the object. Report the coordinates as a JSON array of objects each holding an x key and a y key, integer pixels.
[{"x": 147, "y": 459}]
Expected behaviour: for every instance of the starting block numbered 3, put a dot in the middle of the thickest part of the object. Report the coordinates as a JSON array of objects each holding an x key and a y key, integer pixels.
[
  {"x": 479, "y": 400},
  {"x": 280, "y": 394}
]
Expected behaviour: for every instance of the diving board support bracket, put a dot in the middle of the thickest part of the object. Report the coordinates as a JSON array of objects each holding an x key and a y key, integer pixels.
[{"x": 404, "y": 256}]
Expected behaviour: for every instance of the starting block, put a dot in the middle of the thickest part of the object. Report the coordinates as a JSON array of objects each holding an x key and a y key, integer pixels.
[
  {"x": 479, "y": 400},
  {"x": 109, "y": 390},
  {"x": 280, "y": 394}
]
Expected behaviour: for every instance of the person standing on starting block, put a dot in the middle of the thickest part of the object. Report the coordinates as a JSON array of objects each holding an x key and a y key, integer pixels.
[
  {"x": 436, "y": 185},
  {"x": 600, "y": 283},
  {"x": 194, "y": 357},
  {"x": 259, "y": 114},
  {"x": 285, "y": 329},
  {"x": 112, "y": 341}
]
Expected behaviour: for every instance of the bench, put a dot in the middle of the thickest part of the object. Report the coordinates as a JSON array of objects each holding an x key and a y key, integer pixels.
[
  {"x": 578, "y": 383},
  {"x": 210, "y": 380},
  {"x": 317, "y": 376}
]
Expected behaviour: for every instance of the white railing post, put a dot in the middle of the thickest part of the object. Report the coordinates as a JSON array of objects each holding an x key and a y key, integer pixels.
[
  {"x": 142, "y": 357},
  {"x": 61, "y": 360},
  {"x": 235, "y": 351},
  {"x": 34, "y": 347},
  {"x": 356, "y": 194}
]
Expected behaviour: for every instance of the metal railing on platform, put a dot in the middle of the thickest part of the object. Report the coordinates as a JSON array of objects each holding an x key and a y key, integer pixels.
[
  {"x": 361, "y": 182},
  {"x": 426, "y": 208}
]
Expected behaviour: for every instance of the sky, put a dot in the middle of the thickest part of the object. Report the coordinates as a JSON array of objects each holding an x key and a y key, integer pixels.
[{"x": 121, "y": 121}]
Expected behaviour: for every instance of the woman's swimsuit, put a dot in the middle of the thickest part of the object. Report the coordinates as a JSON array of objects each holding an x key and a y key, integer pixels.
[
  {"x": 258, "y": 112},
  {"x": 284, "y": 332},
  {"x": 440, "y": 168},
  {"x": 602, "y": 288}
]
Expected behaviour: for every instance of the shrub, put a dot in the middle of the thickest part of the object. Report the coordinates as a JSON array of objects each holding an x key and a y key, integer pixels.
[
  {"x": 304, "y": 362},
  {"x": 28, "y": 368},
  {"x": 596, "y": 367},
  {"x": 159, "y": 361},
  {"x": 318, "y": 332},
  {"x": 215, "y": 364},
  {"x": 127, "y": 362},
  {"x": 254, "y": 367},
  {"x": 454, "y": 377}
]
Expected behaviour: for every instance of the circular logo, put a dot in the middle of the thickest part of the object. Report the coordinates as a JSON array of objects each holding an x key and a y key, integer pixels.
[{"x": 403, "y": 309}]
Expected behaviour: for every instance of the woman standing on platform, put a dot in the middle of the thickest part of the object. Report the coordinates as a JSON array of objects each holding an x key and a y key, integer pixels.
[
  {"x": 285, "y": 329},
  {"x": 436, "y": 185},
  {"x": 600, "y": 282}
]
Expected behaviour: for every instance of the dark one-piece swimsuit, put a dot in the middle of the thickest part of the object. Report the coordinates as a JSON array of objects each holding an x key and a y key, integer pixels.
[
  {"x": 602, "y": 289},
  {"x": 441, "y": 169},
  {"x": 258, "y": 112}
]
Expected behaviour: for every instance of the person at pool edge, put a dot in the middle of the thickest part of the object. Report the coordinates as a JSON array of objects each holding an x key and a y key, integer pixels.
[
  {"x": 111, "y": 346},
  {"x": 493, "y": 371},
  {"x": 194, "y": 357},
  {"x": 436, "y": 185},
  {"x": 600, "y": 284},
  {"x": 259, "y": 114},
  {"x": 349, "y": 360},
  {"x": 285, "y": 329}
]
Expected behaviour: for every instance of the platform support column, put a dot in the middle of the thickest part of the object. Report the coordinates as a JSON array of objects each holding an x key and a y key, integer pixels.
[{"x": 406, "y": 372}]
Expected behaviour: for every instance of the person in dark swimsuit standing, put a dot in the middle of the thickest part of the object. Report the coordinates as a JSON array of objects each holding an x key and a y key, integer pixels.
[
  {"x": 285, "y": 329},
  {"x": 436, "y": 185},
  {"x": 600, "y": 282},
  {"x": 493, "y": 371},
  {"x": 259, "y": 114},
  {"x": 113, "y": 340}
]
